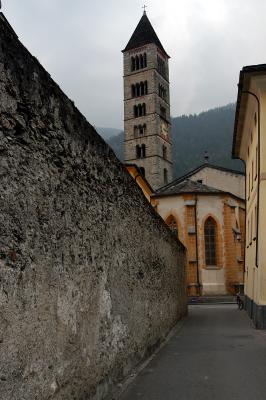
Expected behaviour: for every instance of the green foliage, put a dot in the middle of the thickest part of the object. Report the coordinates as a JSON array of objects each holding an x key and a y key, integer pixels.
[{"x": 210, "y": 131}]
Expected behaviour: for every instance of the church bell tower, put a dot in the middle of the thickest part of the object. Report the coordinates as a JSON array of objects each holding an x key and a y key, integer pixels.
[{"x": 147, "y": 124}]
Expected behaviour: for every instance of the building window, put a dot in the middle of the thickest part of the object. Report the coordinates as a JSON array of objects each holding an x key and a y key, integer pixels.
[
  {"x": 163, "y": 112},
  {"x": 142, "y": 129},
  {"x": 139, "y": 62},
  {"x": 145, "y": 60},
  {"x": 164, "y": 152},
  {"x": 162, "y": 92},
  {"x": 139, "y": 89},
  {"x": 133, "y": 91},
  {"x": 141, "y": 151},
  {"x": 210, "y": 242},
  {"x": 165, "y": 176},
  {"x": 143, "y": 109},
  {"x": 138, "y": 151},
  {"x": 139, "y": 129},
  {"x": 133, "y": 64},
  {"x": 139, "y": 110},
  {"x": 146, "y": 87},
  {"x": 142, "y": 170},
  {"x": 173, "y": 226},
  {"x": 161, "y": 66}
]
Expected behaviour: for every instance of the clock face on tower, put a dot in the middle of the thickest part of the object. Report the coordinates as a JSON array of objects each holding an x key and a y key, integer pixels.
[{"x": 164, "y": 131}]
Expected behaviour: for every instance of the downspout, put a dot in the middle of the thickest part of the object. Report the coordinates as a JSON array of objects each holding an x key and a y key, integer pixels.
[
  {"x": 258, "y": 191},
  {"x": 197, "y": 251}
]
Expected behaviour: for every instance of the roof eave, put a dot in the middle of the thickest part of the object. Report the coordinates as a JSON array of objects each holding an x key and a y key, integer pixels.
[{"x": 245, "y": 76}]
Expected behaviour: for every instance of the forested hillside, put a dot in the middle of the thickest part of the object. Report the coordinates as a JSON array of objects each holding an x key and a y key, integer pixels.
[{"x": 210, "y": 131}]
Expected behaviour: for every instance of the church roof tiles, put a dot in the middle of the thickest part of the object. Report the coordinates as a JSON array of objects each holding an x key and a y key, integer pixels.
[{"x": 186, "y": 186}]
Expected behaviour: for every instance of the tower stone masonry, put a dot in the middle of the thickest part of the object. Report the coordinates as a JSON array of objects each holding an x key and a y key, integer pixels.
[{"x": 147, "y": 126}]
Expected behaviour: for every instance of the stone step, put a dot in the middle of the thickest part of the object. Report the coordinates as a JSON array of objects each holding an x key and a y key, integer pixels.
[{"x": 211, "y": 299}]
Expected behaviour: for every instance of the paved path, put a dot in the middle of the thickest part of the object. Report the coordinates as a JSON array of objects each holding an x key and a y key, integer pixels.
[{"x": 216, "y": 355}]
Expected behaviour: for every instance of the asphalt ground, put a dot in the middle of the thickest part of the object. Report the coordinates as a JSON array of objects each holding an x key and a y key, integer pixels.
[{"x": 216, "y": 354}]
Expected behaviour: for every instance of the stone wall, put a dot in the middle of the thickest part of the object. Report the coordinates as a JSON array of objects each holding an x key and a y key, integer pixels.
[{"x": 91, "y": 279}]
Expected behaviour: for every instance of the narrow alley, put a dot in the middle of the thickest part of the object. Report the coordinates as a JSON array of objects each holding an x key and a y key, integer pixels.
[{"x": 215, "y": 354}]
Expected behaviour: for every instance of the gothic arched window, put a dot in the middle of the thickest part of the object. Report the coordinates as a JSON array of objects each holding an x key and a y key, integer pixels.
[
  {"x": 171, "y": 222},
  {"x": 133, "y": 90},
  {"x": 135, "y": 111},
  {"x": 210, "y": 235}
]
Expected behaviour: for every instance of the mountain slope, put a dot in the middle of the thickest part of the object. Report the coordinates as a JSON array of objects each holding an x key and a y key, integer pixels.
[
  {"x": 107, "y": 133},
  {"x": 210, "y": 131}
]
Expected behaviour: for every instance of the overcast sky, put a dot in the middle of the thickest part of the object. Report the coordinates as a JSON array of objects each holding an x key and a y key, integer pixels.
[{"x": 79, "y": 42}]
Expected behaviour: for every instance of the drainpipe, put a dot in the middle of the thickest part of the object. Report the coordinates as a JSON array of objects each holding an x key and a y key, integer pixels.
[
  {"x": 197, "y": 251},
  {"x": 258, "y": 191}
]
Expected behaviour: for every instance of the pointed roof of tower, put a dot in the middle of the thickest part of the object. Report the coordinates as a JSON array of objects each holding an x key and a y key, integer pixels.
[{"x": 144, "y": 34}]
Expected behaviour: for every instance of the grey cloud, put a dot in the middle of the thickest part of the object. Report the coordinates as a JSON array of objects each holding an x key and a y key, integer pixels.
[{"x": 80, "y": 42}]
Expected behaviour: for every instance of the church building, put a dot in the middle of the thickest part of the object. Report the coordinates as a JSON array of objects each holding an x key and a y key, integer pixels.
[
  {"x": 147, "y": 140},
  {"x": 206, "y": 211},
  {"x": 205, "y": 208}
]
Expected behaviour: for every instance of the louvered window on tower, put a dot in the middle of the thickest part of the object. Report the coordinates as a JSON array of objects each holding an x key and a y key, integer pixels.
[
  {"x": 145, "y": 60},
  {"x": 139, "y": 89},
  {"x": 133, "y": 64},
  {"x": 142, "y": 170},
  {"x": 139, "y": 130},
  {"x": 133, "y": 90},
  {"x": 139, "y": 110},
  {"x": 161, "y": 66},
  {"x": 141, "y": 151},
  {"x": 164, "y": 151},
  {"x": 163, "y": 112},
  {"x": 138, "y": 151},
  {"x": 139, "y": 62},
  {"x": 165, "y": 176}
]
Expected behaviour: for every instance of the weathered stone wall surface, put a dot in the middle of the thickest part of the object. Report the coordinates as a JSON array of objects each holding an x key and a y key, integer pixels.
[{"x": 91, "y": 279}]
